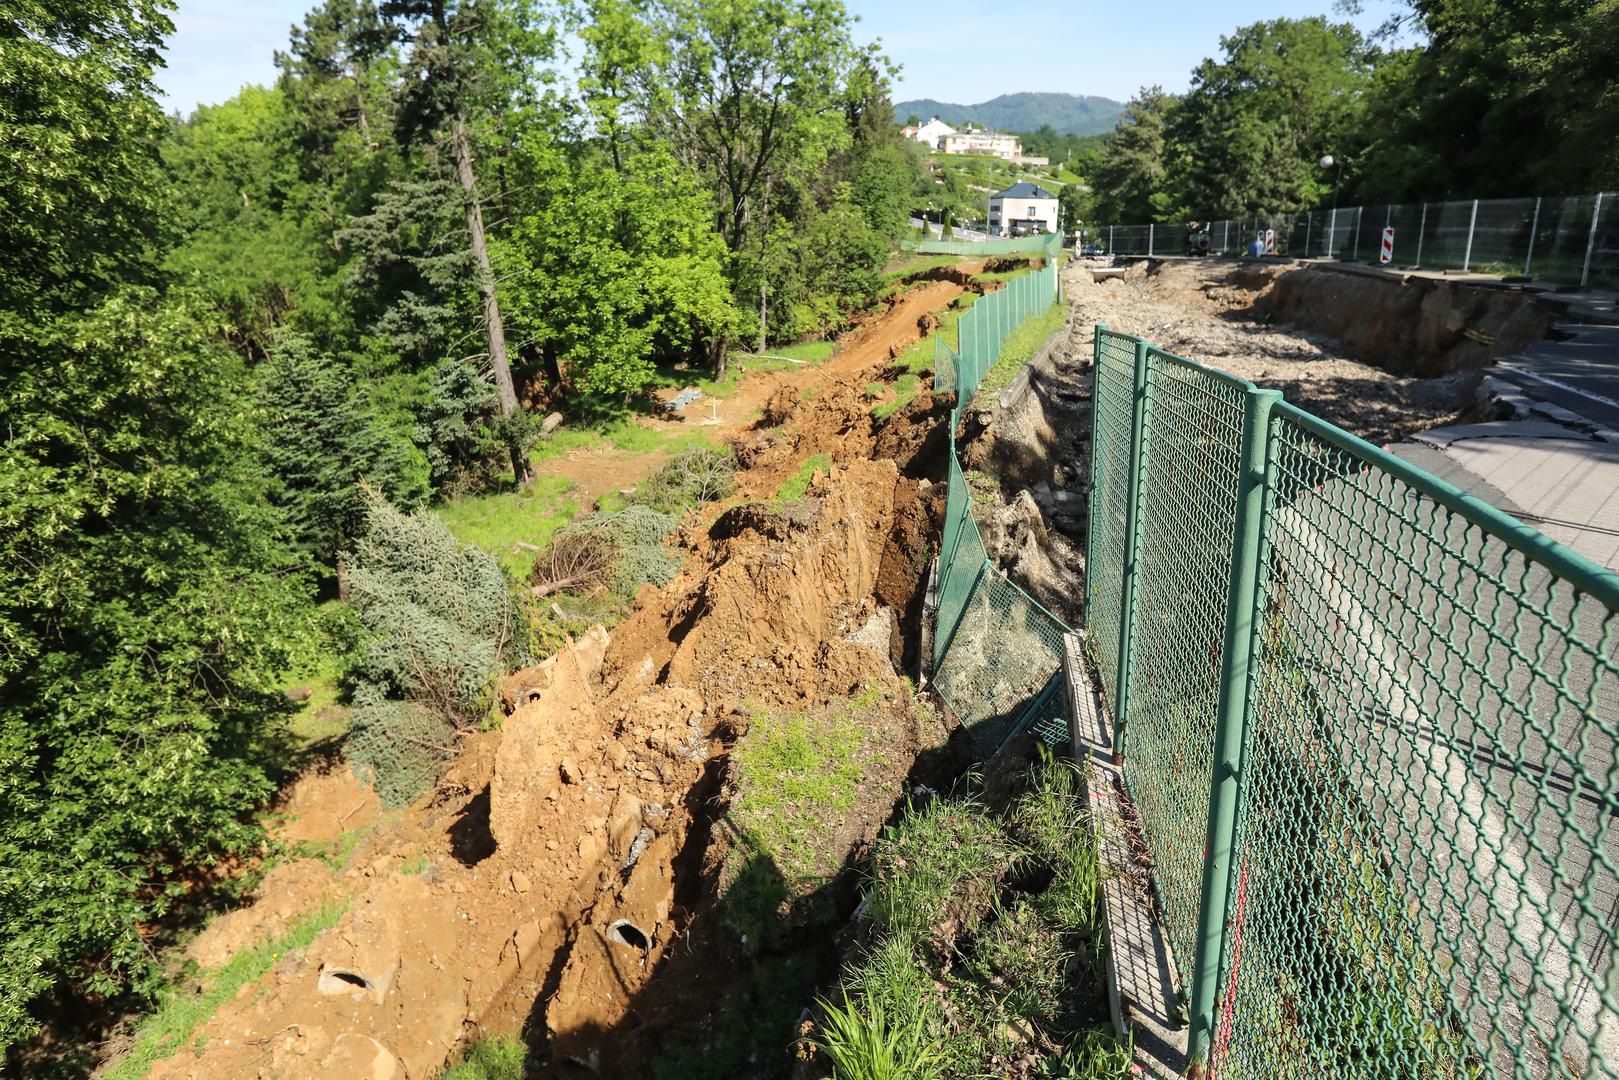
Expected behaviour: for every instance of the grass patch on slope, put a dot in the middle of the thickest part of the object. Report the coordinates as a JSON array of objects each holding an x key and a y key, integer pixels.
[
  {"x": 969, "y": 961},
  {"x": 796, "y": 486},
  {"x": 799, "y": 780},
  {"x": 498, "y": 522},
  {"x": 490, "y": 1058},
  {"x": 184, "y": 1008},
  {"x": 800, "y": 775},
  {"x": 1021, "y": 345}
]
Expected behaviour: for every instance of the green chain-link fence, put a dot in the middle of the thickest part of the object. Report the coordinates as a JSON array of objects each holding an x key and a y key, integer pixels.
[
  {"x": 1572, "y": 239},
  {"x": 1369, "y": 724},
  {"x": 997, "y": 654}
]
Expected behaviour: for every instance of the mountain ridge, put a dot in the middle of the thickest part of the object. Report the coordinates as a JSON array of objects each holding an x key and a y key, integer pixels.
[{"x": 1073, "y": 114}]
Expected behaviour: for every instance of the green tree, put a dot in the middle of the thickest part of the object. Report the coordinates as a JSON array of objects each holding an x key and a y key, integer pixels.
[
  {"x": 1131, "y": 176},
  {"x": 144, "y": 600},
  {"x": 252, "y": 230},
  {"x": 1250, "y": 129},
  {"x": 753, "y": 94},
  {"x": 1500, "y": 100},
  {"x": 143, "y": 613},
  {"x": 324, "y": 446},
  {"x": 613, "y": 269},
  {"x": 464, "y": 58}
]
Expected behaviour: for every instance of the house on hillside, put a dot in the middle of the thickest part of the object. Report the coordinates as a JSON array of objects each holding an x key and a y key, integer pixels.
[
  {"x": 992, "y": 143},
  {"x": 929, "y": 133},
  {"x": 1023, "y": 208}
]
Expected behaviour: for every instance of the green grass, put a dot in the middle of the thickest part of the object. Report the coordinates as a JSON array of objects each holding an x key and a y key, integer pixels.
[
  {"x": 1021, "y": 345},
  {"x": 497, "y": 522},
  {"x": 796, "y": 486},
  {"x": 904, "y": 268},
  {"x": 1009, "y": 274},
  {"x": 319, "y": 662},
  {"x": 906, "y": 387},
  {"x": 335, "y": 852},
  {"x": 961, "y": 971},
  {"x": 862, "y": 1043},
  {"x": 183, "y": 1009},
  {"x": 490, "y": 1058},
  {"x": 624, "y": 433},
  {"x": 799, "y": 778},
  {"x": 741, "y": 364}
]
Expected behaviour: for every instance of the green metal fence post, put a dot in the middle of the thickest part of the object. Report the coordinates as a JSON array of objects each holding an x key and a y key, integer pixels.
[
  {"x": 1132, "y": 505},
  {"x": 1231, "y": 720}
]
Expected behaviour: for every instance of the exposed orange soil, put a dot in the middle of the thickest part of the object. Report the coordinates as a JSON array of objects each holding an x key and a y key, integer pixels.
[
  {"x": 598, "y": 470},
  {"x": 495, "y": 904}
]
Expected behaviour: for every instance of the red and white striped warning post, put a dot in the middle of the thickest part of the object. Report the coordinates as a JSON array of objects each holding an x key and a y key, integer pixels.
[{"x": 1387, "y": 255}]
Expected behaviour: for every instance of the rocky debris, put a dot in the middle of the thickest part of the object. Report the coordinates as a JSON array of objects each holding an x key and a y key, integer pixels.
[{"x": 1221, "y": 313}]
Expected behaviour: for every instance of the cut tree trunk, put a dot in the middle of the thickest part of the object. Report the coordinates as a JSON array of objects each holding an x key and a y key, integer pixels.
[{"x": 505, "y": 388}]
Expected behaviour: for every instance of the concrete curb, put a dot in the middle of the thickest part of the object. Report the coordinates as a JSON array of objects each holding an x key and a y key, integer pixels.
[{"x": 1141, "y": 976}]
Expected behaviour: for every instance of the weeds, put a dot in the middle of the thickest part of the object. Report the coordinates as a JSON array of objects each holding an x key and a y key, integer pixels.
[
  {"x": 866, "y": 1044},
  {"x": 981, "y": 924},
  {"x": 183, "y": 1009},
  {"x": 497, "y": 1058}
]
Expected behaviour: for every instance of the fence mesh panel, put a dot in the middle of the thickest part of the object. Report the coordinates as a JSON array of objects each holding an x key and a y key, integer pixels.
[
  {"x": 1572, "y": 240},
  {"x": 1112, "y": 400},
  {"x": 997, "y": 653},
  {"x": 1186, "y": 518},
  {"x": 1424, "y": 868},
  {"x": 1427, "y": 858}
]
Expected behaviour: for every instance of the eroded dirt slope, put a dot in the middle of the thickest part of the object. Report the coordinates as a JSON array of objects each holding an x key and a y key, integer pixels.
[{"x": 563, "y": 881}]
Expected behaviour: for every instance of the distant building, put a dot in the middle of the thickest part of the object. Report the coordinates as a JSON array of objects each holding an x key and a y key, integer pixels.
[
  {"x": 992, "y": 143},
  {"x": 929, "y": 133},
  {"x": 1023, "y": 208}
]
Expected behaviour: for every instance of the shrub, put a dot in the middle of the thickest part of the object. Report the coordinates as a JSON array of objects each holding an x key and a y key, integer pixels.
[
  {"x": 616, "y": 552},
  {"x": 694, "y": 477},
  {"x": 441, "y": 623}
]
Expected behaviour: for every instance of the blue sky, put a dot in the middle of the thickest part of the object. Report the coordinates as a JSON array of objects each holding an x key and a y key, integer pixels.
[{"x": 1075, "y": 46}]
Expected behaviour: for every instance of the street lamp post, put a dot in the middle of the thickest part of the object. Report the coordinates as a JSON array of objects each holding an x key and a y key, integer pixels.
[{"x": 1328, "y": 161}]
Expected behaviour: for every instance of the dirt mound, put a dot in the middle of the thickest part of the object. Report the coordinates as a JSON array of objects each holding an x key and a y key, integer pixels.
[{"x": 778, "y": 407}]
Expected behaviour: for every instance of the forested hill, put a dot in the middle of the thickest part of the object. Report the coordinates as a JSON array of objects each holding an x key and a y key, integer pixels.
[{"x": 1066, "y": 114}]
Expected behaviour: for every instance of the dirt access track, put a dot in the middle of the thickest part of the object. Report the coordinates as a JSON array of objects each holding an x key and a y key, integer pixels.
[
  {"x": 876, "y": 338},
  {"x": 567, "y": 879}
]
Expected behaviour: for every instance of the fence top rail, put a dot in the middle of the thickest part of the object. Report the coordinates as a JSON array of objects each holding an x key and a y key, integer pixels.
[
  {"x": 1202, "y": 369},
  {"x": 1590, "y": 579},
  {"x": 1180, "y": 361}
]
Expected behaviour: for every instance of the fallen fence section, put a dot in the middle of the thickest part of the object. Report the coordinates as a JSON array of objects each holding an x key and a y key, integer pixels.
[
  {"x": 997, "y": 654},
  {"x": 1369, "y": 725},
  {"x": 1572, "y": 240}
]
